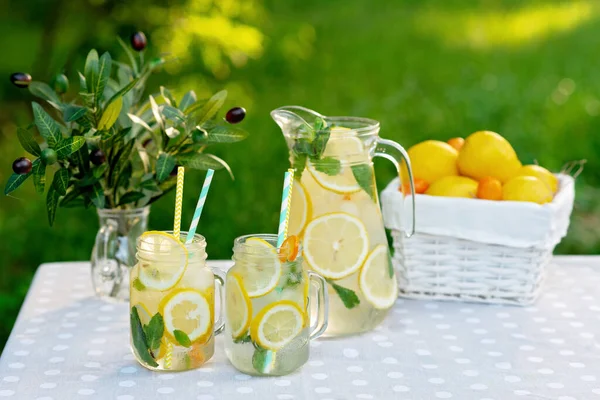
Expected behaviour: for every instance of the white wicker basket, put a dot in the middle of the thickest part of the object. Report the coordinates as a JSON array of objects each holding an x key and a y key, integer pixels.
[{"x": 476, "y": 250}]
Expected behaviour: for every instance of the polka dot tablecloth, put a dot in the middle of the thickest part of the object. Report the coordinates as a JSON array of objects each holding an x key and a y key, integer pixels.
[{"x": 68, "y": 344}]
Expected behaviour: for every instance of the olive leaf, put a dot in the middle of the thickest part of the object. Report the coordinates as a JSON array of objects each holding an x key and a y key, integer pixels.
[
  {"x": 61, "y": 181},
  {"x": 69, "y": 146},
  {"x": 97, "y": 196},
  {"x": 210, "y": 109},
  {"x": 73, "y": 113},
  {"x": 91, "y": 66},
  {"x": 48, "y": 127},
  {"x": 156, "y": 113},
  {"x": 82, "y": 82},
  {"x": 199, "y": 161},
  {"x": 39, "y": 175},
  {"x": 28, "y": 142},
  {"x": 130, "y": 55},
  {"x": 97, "y": 74},
  {"x": 52, "y": 203},
  {"x": 124, "y": 90},
  {"x": 43, "y": 91},
  {"x": 164, "y": 165},
  {"x": 168, "y": 96},
  {"x": 14, "y": 181},
  {"x": 131, "y": 197},
  {"x": 139, "y": 121},
  {"x": 173, "y": 114},
  {"x": 188, "y": 99},
  {"x": 110, "y": 115},
  {"x": 221, "y": 134}
]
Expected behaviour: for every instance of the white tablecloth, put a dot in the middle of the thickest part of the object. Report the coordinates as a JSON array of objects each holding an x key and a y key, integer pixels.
[{"x": 67, "y": 344}]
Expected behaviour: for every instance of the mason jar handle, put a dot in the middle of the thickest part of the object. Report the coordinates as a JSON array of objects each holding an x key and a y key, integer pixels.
[
  {"x": 320, "y": 324},
  {"x": 220, "y": 283},
  {"x": 105, "y": 237},
  {"x": 396, "y": 154}
]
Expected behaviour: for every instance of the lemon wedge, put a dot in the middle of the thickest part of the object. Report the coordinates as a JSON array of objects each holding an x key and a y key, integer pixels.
[
  {"x": 375, "y": 283},
  {"x": 335, "y": 245},
  {"x": 300, "y": 210}
]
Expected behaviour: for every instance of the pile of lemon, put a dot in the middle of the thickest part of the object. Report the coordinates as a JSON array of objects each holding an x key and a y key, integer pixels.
[{"x": 484, "y": 166}]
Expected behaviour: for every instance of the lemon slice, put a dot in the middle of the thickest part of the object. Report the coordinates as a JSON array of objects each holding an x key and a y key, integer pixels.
[
  {"x": 260, "y": 268},
  {"x": 300, "y": 210},
  {"x": 277, "y": 324},
  {"x": 165, "y": 260},
  {"x": 189, "y": 311},
  {"x": 348, "y": 150},
  {"x": 238, "y": 306},
  {"x": 335, "y": 245},
  {"x": 374, "y": 281}
]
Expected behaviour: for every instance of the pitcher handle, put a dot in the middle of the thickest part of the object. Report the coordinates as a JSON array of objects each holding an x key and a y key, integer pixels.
[
  {"x": 106, "y": 237},
  {"x": 220, "y": 282},
  {"x": 320, "y": 325},
  {"x": 396, "y": 154}
]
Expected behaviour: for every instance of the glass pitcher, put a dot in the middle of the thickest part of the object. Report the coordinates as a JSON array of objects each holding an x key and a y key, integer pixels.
[{"x": 335, "y": 211}]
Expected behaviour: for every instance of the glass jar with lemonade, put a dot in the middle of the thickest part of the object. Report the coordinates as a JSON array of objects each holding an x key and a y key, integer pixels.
[
  {"x": 267, "y": 306},
  {"x": 172, "y": 297},
  {"x": 335, "y": 212}
]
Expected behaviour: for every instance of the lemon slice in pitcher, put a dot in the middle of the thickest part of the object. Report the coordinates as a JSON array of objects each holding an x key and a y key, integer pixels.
[
  {"x": 165, "y": 260},
  {"x": 335, "y": 245},
  {"x": 375, "y": 282},
  {"x": 348, "y": 150},
  {"x": 277, "y": 324},
  {"x": 238, "y": 306},
  {"x": 260, "y": 268},
  {"x": 300, "y": 210},
  {"x": 187, "y": 311}
]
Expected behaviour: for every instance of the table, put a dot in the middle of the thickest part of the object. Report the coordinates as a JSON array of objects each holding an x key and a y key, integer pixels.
[{"x": 66, "y": 344}]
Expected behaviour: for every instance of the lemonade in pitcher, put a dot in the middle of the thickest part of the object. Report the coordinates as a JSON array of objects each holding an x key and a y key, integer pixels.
[
  {"x": 267, "y": 307},
  {"x": 335, "y": 211},
  {"x": 172, "y": 303}
]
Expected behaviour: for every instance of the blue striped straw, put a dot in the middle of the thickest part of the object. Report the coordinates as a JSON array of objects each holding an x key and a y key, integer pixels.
[
  {"x": 286, "y": 201},
  {"x": 199, "y": 206}
]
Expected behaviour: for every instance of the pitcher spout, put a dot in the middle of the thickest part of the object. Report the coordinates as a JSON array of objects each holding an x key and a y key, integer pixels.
[{"x": 295, "y": 118}]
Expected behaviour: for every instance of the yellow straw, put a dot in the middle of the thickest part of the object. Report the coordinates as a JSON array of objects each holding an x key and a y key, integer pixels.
[
  {"x": 169, "y": 356},
  {"x": 178, "y": 202}
]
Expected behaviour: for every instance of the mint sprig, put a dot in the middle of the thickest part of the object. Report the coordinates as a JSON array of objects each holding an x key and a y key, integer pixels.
[
  {"x": 311, "y": 145},
  {"x": 154, "y": 331},
  {"x": 348, "y": 297},
  {"x": 262, "y": 359},
  {"x": 182, "y": 338},
  {"x": 328, "y": 165},
  {"x": 363, "y": 173},
  {"x": 140, "y": 341}
]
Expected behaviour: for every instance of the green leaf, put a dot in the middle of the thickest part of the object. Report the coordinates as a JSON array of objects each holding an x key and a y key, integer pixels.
[
  {"x": 138, "y": 337},
  {"x": 43, "y": 91},
  {"x": 52, "y": 203},
  {"x": 97, "y": 79},
  {"x": 168, "y": 96},
  {"x": 322, "y": 133},
  {"x": 299, "y": 164},
  {"x": 328, "y": 165},
  {"x": 124, "y": 176},
  {"x": 91, "y": 66},
  {"x": 48, "y": 128},
  {"x": 72, "y": 194},
  {"x": 224, "y": 134},
  {"x": 130, "y": 54},
  {"x": 131, "y": 197},
  {"x": 348, "y": 297},
  {"x": 363, "y": 173},
  {"x": 124, "y": 90},
  {"x": 82, "y": 82},
  {"x": 138, "y": 285},
  {"x": 198, "y": 161},
  {"x": 28, "y": 142},
  {"x": 182, "y": 338},
  {"x": 262, "y": 359},
  {"x": 188, "y": 99},
  {"x": 154, "y": 331},
  {"x": 82, "y": 158},
  {"x": 69, "y": 146},
  {"x": 212, "y": 106},
  {"x": 173, "y": 114},
  {"x": 137, "y": 120},
  {"x": 390, "y": 265},
  {"x": 97, "y": 196},
  {"x": 243, "y": 339},
  {"x": 14, "y": 182},
  {"x": 119, "y": 161},
  {"x": 110, "y": 115},
  {"x": 150, "y": 185},
  {"x": 156, "y": 113},
  {"x": 73, "y": 113},
  {"x": 164, "y": 165},
  {"x": 98, "y": 172},
  {"x": 61, "y": 181},
  {"x": 39, "y": 175}
]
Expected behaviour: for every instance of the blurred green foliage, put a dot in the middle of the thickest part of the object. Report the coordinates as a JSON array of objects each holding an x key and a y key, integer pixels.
[{"x": 425, "y": 69}]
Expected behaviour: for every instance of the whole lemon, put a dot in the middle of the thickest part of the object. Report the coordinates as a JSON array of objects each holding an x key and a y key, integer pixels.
[
  {"x": 486, "y": 153},
  {"x": 526, "y": 188},
  {"x": 453, "y": 186},
  {"x": 431, "y": 160},
  {"x": 542, "y": 173}
]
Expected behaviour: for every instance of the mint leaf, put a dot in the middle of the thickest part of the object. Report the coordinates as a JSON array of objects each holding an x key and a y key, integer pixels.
[
  {"x": 138, "y": 285},
  {"x": 363, "y": 173},
  {"x": 390, "y": 265},
  {"x": 154, "y": 331},
  {"x": 262, "y": 360},
  {"x": 348, "y": 297},
  {"x": 299, "y": 163},
  {"x": 28, "y": 142},
  {"x": 243, "y": 339},
  {"x": 322, "y": 133},
  {"x": 182, "y": 338},
  {"x": 138, "y": 337},
  {"x": 327, "y": 165}
]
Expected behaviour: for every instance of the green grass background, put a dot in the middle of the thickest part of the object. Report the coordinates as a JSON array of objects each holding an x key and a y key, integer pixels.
[{"x": 425, "y": 69}]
